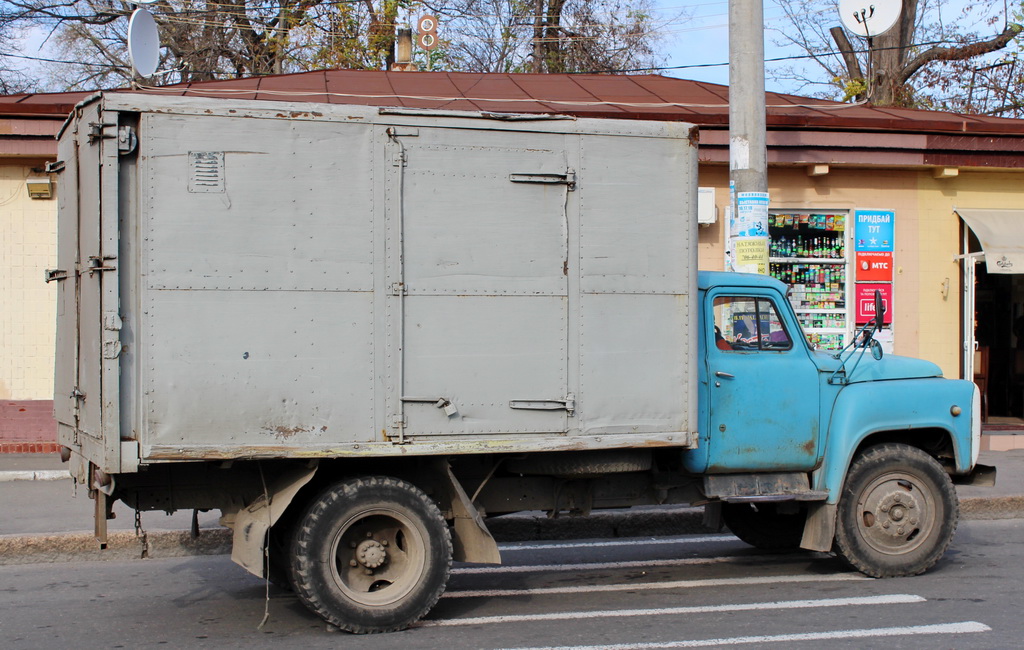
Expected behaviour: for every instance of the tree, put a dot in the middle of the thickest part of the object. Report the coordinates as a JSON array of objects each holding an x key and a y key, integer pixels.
[
  {"x": 12, "y": 78},
  {"x": 211, "y": 39},
  {"x": 552, "y": 35},
  {"x": 902, "y": 67}
]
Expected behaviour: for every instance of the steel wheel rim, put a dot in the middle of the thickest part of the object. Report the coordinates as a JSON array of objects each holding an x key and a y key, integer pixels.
[
  {"x": 895, "y": 515},
  {"x": 377, "y": 557}
]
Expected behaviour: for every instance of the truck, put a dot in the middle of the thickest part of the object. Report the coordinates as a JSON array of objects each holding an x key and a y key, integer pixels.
[{"x": 360, "y": 332}]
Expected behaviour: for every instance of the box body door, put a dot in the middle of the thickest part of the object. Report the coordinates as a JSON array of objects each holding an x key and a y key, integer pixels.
[
  {"x": 88, "y": 324},
  {"x": 481, "y": 298}
]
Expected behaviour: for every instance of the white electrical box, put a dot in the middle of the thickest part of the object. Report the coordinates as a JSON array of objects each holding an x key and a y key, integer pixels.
[{"x": 707, "y": 213}]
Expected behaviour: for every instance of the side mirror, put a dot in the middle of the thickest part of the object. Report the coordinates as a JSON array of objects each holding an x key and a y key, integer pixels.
[
  {"x": 879, "y": 310},
  {"x": 876, "y": 350}
]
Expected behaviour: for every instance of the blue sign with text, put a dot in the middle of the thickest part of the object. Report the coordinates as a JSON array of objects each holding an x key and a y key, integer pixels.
[{"x": 873, "y": 230}]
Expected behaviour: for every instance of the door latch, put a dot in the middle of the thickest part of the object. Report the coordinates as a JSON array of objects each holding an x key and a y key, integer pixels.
[
  {"x": 97, "y": 263},
  {"x": 568, "y": 404}
]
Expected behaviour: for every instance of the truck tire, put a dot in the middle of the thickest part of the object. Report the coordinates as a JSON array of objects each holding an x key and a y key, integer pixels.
[
  {"x": 371, "y": 555},
  {"x": 763, "y": 526},
  {"x": 897, "y": 512}
]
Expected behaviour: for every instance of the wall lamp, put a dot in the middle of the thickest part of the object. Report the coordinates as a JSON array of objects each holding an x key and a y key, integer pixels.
[{"x": 39, "y": 187}]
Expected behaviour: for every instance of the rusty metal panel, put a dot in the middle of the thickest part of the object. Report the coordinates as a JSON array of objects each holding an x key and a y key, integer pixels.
[
  {"x": 474, "y": 223},
  {"x": 480, "y": 354},
  {"x": 233, "y": 369},
  {"x": 637, "y": 364},
  {"x": 66, "y": 360},
  {"x": 638, "y": 215},
  {"x": 257, "y": 305},
  {"x": 484, "y": 314},
  {"x": 293, "y": 211},
  {"x": 90, "y": 311},
  {"x": 339, "y": 269}
]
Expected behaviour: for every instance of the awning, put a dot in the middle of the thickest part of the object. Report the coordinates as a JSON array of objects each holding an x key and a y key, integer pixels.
[{"x": 1001, "y": 233}]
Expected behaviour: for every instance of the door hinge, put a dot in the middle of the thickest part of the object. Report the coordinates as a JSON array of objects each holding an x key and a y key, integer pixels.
[
  {"x": 398, "y": 289},
  {"x": 96, "y": 132}
]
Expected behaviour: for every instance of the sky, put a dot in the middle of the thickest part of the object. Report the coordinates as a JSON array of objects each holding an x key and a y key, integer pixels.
[
  {"x": 704, "y": 39},
  {"x": 697, "y": 47},
  {"x": 702, "y": 43}
]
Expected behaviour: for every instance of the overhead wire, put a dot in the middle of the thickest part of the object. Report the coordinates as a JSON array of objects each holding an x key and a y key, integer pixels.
[{"x": 643, "y": 69}]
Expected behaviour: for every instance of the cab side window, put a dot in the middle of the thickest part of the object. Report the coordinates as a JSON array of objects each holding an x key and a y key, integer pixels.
[{"x": 746, "y": 323}]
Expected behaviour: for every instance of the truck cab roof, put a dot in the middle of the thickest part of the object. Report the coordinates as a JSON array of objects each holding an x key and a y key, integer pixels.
[{"x": 708, "y": 279}]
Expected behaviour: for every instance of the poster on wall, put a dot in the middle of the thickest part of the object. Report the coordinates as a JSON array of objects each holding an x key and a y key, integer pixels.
[
  {"x": 748, "y": 233},
  {"x": 873, "y": 230},
  {"x": 874, "y": 266},
  {"x": 865, "y": 301}
]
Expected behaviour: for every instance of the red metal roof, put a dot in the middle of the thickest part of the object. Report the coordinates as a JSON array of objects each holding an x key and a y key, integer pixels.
[
  {"x": 584, "y": 95},
  {"x": 801, "y": 130}
]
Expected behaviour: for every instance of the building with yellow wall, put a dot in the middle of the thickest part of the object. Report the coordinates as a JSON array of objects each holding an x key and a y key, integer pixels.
[{"x": 824, "y": 158}]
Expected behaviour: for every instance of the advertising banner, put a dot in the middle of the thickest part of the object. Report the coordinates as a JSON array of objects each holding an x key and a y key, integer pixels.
[
  {"x": 865, "y": 301},
  {"x": 874, "y": 230},
  {"x": 748, "y": 233},
  {"x": 874, "y": 266}
]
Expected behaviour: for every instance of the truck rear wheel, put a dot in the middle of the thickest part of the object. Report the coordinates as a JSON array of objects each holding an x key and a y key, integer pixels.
[
  {"x": 763, "y": 526},
  {"x": 371, "y": 555},
  {"x": 897, "y": 512}
]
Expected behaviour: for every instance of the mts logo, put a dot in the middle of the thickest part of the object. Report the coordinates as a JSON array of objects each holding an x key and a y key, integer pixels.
[{"x": 874, "y": 266}]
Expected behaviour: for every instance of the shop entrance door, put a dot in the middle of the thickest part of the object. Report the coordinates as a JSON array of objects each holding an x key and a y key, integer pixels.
[{"x": 993, "y": 324}]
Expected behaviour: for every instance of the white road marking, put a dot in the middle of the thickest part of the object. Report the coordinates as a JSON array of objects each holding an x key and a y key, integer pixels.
[
  {"x": 629, "y": 564},
  {"x": 894, "y": 599},
  {"x": 672, "y": 584},
  {"x": 630, "y": 541},
  {"x": 966, "y": 627}
]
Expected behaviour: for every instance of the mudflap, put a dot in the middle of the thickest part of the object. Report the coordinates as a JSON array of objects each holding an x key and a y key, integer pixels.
[
  {"x": 250, "y": 524},
  {"x": 820, "y": 529}
]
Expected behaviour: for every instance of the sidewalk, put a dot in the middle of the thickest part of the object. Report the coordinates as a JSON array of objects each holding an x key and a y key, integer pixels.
[{"x": 44, "y": 518}]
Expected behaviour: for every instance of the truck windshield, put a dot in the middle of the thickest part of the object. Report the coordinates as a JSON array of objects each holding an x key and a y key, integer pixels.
[{"x": 749, "y": 323}]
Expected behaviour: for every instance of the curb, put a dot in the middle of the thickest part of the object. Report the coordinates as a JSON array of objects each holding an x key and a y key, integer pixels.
[
  {"x": 35, "y": 475},
  {"x": 126, "y": 545}
]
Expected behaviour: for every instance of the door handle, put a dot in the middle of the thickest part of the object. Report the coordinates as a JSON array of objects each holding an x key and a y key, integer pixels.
[
  {"x": 568, "y": 404},
  {"x": 724, "y": 375}
]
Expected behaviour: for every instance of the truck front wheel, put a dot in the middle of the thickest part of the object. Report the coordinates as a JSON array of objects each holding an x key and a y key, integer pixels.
[
  {"x": 371, "y": 555},
  {"x": 897, "y": 512}
]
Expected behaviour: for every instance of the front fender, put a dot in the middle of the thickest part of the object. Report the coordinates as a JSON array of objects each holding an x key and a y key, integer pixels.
[{"x": 899, "y": 406}]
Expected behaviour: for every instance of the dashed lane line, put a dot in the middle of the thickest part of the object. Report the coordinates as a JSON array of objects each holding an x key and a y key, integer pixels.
[
  {"x": 965, "y": 627},
  {"x": 893, "y": 599},
  {"x": 671, "y": 584}
]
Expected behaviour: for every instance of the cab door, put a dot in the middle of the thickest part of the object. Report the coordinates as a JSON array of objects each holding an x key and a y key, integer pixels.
[{"x": 763, "y": 388}]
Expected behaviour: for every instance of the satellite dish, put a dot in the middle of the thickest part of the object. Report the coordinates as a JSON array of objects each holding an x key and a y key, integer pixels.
[
  {"x": 143, "y": 43},
  {"x": 869, "y": 18}
]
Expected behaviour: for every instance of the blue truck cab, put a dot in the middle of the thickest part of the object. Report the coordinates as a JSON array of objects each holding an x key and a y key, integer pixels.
[{"x": 856, "y": 452}]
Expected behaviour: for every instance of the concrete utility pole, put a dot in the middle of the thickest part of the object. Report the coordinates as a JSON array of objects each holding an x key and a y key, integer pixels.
[{"x": 748, "y": 156}]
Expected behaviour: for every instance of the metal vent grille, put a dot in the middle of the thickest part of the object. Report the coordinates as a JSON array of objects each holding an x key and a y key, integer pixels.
[{"x": 206, "y": 171}]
